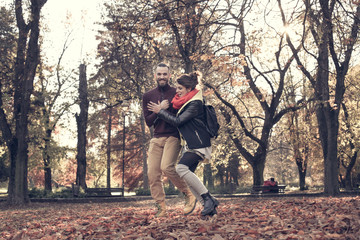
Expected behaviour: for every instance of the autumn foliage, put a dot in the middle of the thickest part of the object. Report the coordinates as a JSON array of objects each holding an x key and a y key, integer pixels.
[{"x": 238, "y": 218}]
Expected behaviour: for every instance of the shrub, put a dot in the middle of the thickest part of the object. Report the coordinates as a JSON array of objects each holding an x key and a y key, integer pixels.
[
  {"x": 60, "y": 193},
  {"x": 146, "y": 192},
  {"x": 142, "y": 192}
]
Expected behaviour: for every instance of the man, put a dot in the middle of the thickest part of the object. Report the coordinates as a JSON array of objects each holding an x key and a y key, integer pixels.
[{"x": 165, "y": 145}]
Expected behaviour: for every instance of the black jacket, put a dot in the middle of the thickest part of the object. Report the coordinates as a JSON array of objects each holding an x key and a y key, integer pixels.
[{"x": 190, "y": 122}]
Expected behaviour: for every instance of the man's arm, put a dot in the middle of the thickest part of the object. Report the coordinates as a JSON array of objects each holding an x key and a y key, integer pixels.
[{"x": 149, "y": 116}]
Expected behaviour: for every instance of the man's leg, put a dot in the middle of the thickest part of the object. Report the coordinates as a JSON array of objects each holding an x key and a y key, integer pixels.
[
  {"x": 169, "y": 159},
  {"x": 170, "y": 156},
  {"x": 155, "y": 154}
]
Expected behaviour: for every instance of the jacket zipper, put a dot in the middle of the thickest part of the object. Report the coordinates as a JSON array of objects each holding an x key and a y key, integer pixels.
[
  {"x": 161, "y": 94},
  {"x": 197, "y": 134}
]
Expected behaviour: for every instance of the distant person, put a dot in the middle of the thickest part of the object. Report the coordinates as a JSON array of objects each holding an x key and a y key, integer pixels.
[
  {"x": 196, "y": 142},
  {"x": 165, "y": 146},
  {"x": 271, "y": 183}
]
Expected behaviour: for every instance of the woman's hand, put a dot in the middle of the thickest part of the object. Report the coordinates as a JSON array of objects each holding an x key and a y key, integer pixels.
[
  {"x": 164, "y": 104},
  {"x": 153, "y": 107}
]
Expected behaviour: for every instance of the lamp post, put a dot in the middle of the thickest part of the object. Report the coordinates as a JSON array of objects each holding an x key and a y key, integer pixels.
[
  {"x": 108, "y": 151},
  {"x": 123, "y": 157},
  {"x": 125, "y": 105}
]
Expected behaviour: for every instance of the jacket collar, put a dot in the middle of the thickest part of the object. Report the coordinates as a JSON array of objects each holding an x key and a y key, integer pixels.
[
  {"x": 164, "y": 88},
  {"x": 198, "y": 96}
]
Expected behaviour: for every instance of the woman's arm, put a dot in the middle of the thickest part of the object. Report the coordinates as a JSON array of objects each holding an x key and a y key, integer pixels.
[{"x": 191, "y": 111}]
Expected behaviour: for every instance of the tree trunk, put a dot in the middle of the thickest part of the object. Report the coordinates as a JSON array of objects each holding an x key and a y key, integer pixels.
[
  {"x": 81, "y": 121},
  {"x": 27, "y": 59},
  {"x": 302, "y": 182},
  {"x": 301, "y": 162},
  {"x": 47, "y": 176},
  {"x": 48, "y": 179},
  {"x": 331, "y": 161},
  {"x": 208, "y": 178},
  {"x": 302, "y": 173},
  {"x": 348, "y": 179},
  {"x": 12, "y": 146},
  {"x": 354, "y": 150},
  {"x": 47, "y": 159},
  {"x": 21, "y": 187},
  {"x": 327, "y": 120},
  {"x": 300, "y": 147},
  {"x": 258, "y": 166},
  {"x": 328, "y": 129}
]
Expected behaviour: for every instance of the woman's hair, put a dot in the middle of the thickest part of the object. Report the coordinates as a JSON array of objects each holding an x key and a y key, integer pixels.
[{"x": 189, "y": 80}]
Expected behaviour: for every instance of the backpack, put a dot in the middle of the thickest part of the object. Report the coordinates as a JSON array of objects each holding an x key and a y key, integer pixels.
[{"x": 211, "y": 122}]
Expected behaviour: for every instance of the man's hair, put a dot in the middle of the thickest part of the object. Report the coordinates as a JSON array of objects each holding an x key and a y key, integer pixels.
[{"x": 162, "y": 64}]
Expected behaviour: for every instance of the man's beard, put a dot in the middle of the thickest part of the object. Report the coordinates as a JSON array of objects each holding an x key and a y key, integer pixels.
[{"x": 163, "y": 83}]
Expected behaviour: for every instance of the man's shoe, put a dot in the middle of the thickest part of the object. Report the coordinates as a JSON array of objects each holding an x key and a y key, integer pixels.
[
  {"x": 161, "y": 210},
  {"x": 190, "y": 203}
]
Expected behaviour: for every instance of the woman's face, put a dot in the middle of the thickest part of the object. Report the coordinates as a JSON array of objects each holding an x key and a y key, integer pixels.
[{"x": 181, "y": 90}]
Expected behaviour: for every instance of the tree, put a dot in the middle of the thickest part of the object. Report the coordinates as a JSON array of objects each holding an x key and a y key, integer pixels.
[
  {"x": 348, "y": 145},
  {"x": 48, "y": 111},
  {"x": 300, "y": 142},
  {"x": 353, "y": 153},
  {"x": 191, "y": 23},
  {"x": 7, "y": 49},
  {"x": 26, "y": 62},
  {"x": 82, "y": 120},
  {"x": 7, "y": 53},
  {"x": 256, "y": 79},
  {"x": 334, "y": 28},
  {"x": 300, "y": 129},
  {"x": 128, "y": 51}
]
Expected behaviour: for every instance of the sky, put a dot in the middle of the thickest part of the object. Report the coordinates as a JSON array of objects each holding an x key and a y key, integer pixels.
[
  {"x": 77, "y": 18},
  {"x": 74, "y": 17}
]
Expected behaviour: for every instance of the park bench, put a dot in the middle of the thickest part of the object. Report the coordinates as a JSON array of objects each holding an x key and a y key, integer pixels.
[
  {"x": 97, "y": 192},
  {"x": 268, "y": 189},
  {"x": 102, "y": 191}
]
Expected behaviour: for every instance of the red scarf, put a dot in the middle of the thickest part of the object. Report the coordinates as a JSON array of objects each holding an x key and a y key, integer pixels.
[{"x": 178, "y": 102}]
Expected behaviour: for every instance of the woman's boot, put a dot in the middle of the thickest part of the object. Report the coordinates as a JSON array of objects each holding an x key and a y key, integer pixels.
[{"x": 209, "y": 204}]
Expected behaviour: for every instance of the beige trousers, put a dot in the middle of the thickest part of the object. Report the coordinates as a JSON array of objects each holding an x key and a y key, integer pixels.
[{"x": 162, "y": 157}]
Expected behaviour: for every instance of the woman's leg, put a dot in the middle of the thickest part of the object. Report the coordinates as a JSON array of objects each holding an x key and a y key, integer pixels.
[{"x": 185, "y": 169}]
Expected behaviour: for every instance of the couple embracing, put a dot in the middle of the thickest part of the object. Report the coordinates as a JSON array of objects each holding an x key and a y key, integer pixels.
[{"x": 177, "y": 115}]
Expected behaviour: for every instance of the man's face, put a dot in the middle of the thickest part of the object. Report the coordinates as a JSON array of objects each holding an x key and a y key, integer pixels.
[{"x": 162, "y": 76}]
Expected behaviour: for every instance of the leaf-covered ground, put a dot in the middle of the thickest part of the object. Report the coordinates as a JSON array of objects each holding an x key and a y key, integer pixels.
[{"x": 238, "y": 218}]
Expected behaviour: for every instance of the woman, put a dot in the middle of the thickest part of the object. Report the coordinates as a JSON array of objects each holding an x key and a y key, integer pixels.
[{"x": 195, "y": 139}]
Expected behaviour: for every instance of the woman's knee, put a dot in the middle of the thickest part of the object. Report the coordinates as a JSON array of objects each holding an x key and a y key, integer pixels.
[{"x": 182, "y": 169}]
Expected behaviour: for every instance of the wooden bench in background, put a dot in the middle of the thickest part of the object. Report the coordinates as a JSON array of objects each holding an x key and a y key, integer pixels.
[
  {"x": 97, "y": 192},
  {"x": 268, "y": 189},
  {"x": 100, "y": 192}
]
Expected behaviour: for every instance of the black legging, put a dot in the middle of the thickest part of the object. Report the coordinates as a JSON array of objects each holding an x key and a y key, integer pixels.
[{"x": 191, "y": 160}]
